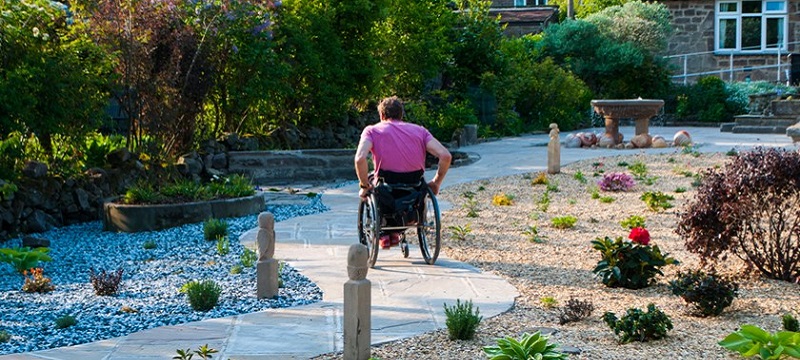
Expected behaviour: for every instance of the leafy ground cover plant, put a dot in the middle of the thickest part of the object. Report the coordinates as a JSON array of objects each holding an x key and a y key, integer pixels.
[
  {"x": 575, "y": 310},
  {"x": 752, "y": 340},
  {"x": 633, "y": 221},
  {"x": 616, "y": 182},
  {"x": 544, "y": 202},
  {"x": 248, "y": 258},
  {"x": 564, "y": 222},
  {"x": 629, "y": 264},
  {"x": 548, "y": 302},
  {"x": 580, "y": 177},
  {"x": 204, "y": 352},
  {"x": 37, "y": 282},
  {"x": 24, "y": 258},
  {"x": 223, "y": 245},
  {"x": 460, "y": 232},
  {"x": 606, "y": 199},
  {"x": 790, "y": 323},
  {"x": 203, "y": 295},
  {"x": 461, "y": 320},
  {"x": 105, "y": 283},
  {"x": 4, "y": 336},
  {"x": 708, "y": 293},
  {"x": 65, "y": 321},
  {"x": 749, "y": 208},
  {"x": 656, "y": 200},
  {"x": 214, "y": 229},
  {"x": 540, "y": 179},
  {"x": 530, "y": 346},
  {"x": 637, "y": 325},
  {"x": 149, "y": 245},
  {"x": 503, "y": 199},
  {"x": 532, "y": 233}
]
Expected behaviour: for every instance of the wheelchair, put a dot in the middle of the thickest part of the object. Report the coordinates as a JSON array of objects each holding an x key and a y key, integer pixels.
[{"x": 418, "y": 210}]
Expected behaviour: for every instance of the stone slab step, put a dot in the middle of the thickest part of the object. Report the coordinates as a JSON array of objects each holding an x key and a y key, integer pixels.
[
  {"x": 759, "y": 129},
  {"x": 726, "y": 127},
  {"x": 765, "y": 121}
]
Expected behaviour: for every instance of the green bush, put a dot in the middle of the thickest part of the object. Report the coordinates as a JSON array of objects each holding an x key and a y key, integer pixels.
[
  {"x": 708, "y": 293},
  {"x": 214, "y": 229},
  {"x": 24, "y": 258},
  {"x": 461, "y": 320},
  {"x": 790, "y": 323},
  {"x": 142, "y": 192},
  {"x": 656, "y": 200},
  {"x": 633, "y": 221},
  {"x": 564, "y": 222},
  {"x": 233, "y": 186},
  {"x": 203, "y": 295},
  {"x": 637, "y": 325},
  {"x": 629, "y": 265},
  {"x": 708, "y": 100},
  {"x": 751, "y": 340},
  {"x": 4, "y": 336},
  {"x": 65, "y": 321},
  {"x": 530, "y": 346},
  {"x": 223, "y": 245},
  {"x": 248, "y": 258}
]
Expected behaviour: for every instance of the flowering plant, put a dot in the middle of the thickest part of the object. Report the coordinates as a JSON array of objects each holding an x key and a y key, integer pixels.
[
  {"x": 616, "y": 182},
  {"x": 640, "y": 236},
  {"x": 629, "y": 264}
]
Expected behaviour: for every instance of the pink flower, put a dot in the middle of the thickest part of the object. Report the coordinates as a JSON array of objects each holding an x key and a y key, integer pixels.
[{"x": 640, "y": 236}]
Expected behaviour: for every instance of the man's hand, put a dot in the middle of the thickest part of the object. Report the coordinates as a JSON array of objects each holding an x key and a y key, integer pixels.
[
  {"x": 365, "y": 191},
  {"x": 434, "y": 187}
]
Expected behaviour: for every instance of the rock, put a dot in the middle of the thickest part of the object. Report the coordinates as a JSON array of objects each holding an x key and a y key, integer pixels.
[
  {"x": 628, "y": 146},
  {"x": 82, "y": 199},
  {"x": 605, "y": 141},
  {"x": 620, "y": 146},
  {"x": 642, "y": 141},
  {"x": 97, "y": 173},
  {"x": 659, "y": 142},
  {"x": 39, "y": 221},
  {"x": 794, "y": 132},
  {"x": 682, "y": 138},
  {"x": 587, "y": 139},
  {"x": 572, "y": 141},
  {"x": 118, "y": 157},
  {"x": 219, "y": 161},
  {"x": 190, "y": 163},
  {"x": 34, "y": 169},
  {"x": 35, "y": 242}
]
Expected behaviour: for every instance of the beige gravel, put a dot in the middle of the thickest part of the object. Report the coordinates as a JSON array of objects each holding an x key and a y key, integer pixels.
[{"x": 561, "y": 266}]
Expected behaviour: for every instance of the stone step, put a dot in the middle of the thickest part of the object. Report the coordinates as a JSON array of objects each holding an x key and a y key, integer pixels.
[
  {"x": 726, "y": 127},
  {"x": 765, "y": 121},
  {"x": 759, "y": 129}
]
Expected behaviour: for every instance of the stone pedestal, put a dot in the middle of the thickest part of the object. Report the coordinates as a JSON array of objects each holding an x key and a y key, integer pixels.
[
  {"x": 613, "y": 110},
  {"x": 357, "y": 320},
  {"x": 554, "y": 151},
  {"x": 267, "y": 267},
  {"x": 470, "y": 136}
]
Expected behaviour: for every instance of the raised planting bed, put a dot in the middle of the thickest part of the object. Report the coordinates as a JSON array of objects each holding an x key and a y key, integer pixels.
[{"x": 137, "y": 218}]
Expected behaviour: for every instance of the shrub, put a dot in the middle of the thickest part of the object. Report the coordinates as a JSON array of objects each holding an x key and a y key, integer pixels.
[
  {"x": 627, "y": 264},
  {"x": 236, "y": 269},
  {"x": 4, "y": 336},
  {"x": 105, "y": 284},
  {"x": 248, "y": 258},
  {"x": 564, "y": 222},
  {"x": 616, "y": 182},
  {"x": 530, "y": 346},
  {"x": 472, "y": 207},
  {"x": 142, "y": 193},
  {"x": 637, "y": 325},
  {"x": 638, "y": 169},
  {"x": 580, "y": 177},
  {"x": 709, "y": 294},
  {"x": 214, "y": 229},
  {"x": 234, "y": 186},
  {"x": 548, "y": 302},
  {"x": 223, "y": 245},
  {"x": 633, "y": 221},
  {"x": 575, "y": 310},
  {"x": 460, "y": 232},
  {"x": 502, "y": 200},
  {"x": 749, "y": 208},
  {"x": 532, "y": 233},
  {"x": 790, "y": 323},
  {"x": 37, "y": 282},
  {"x": 65, "y": 321},
  {"x": 540, "y": 179},
  {"x": 149, "y": 245},
  {"x": 184, "y": 190},
  {"x": 544, "y": 202},
  {"x": 203, "y": 295},
  {"x": 24, "y": 258},
  {"x": 751, "y": 340},
  {"x": 657, "y": 201},
  {"x": 461, "y": 321}
]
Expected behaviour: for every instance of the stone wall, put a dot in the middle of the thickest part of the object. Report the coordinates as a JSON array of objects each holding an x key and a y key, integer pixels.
[
  {"x": 693, "y": 32},
  {"x": 280, "y": 167}
]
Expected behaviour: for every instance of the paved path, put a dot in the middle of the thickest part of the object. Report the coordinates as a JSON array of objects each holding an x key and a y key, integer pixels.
[{"x": 407, "y": 295}]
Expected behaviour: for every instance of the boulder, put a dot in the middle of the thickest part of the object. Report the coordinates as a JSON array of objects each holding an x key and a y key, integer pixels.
[
  {"x": 39, "y": 221},
  {"x": 588, "y": 139},
  {"x": 118, "y": 157},
  {"x": 34, "y": 169},
  {"x": 572, "y": 141},
  {"x": 642, "y": 141},
  {"x": 219, "y": 161},
  {"x": 682, "y": 138},
  {"x": 82, "y": 199},
  {"x": 659, "y": 142},
  {"x": 605, "y": 141},
  {"x": 35, "y": 242},
  {"x": 794, "y": 132}
]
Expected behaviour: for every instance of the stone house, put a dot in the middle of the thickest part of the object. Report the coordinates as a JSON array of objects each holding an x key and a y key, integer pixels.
[
  {"x": 524, "y": 16},
  {"x": 733, "y": 39}
]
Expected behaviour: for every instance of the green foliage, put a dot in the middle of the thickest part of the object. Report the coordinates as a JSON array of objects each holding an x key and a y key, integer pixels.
[
  {"x": 248, "y": 258},
  {"x": 149, "y": 245},
  {"x": 142, "y": 192},
  {"x": 98, "y": 146},
  {"x": 532, "y": 233},
  {"x": 461, "y": 320},
  {"x": 564, "y": 222},
  {"x": 628, "y": 265},
  {"x": 656, "y": 200},
  {"x": 4, "y": 336},
  {"x": 751, "y": 340},
  {"x": 204, "y": 352},
  {"x": 442, "y": 113},
  {"x": 580, "y": 177},
  {"x": 710, "y": 99},
  {"x": 633, "y": 221},
  {"x": 24, "y": 258},
  {"x": 680, "y": 189},
  {"x": 236, "y": 269},
  {"x": 530, "y": 346},
  {"x": 544, "y": 202},
  {"x": 708, "y": 293},
  {"x": 65, "y": 321},
  {"x": 214, "y": 229},
  {"x": 548, "y": 302},
  {"x": 460, "y": 232},
  {"x": 606, "y": 199},
  {"x": 540, "y": 179},
  {"x": 790, "y": 323},
  {"x": 223, "y": 245},
  {"x": 233, "y": 186},
  {"x": 638, "y": 169},
  {"x": 575, "y": 310},
  {"x": 105, "y": 284},
  {"x": 552, "y": 187},
  {"x": 637, "y": 325},
  {"x": 37, "y": 282},
  {"x": 203, "y": 295}
]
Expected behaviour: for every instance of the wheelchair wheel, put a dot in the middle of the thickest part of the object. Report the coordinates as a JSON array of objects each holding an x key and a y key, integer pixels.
[
  {"x": 429, "y": 228},
  {"x": 369, "y": 228}
]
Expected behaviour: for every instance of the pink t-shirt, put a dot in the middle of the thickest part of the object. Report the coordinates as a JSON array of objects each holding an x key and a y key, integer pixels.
[{"x": 397, "y": 145}]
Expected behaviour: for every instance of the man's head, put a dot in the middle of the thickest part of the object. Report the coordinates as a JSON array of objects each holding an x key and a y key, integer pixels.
[{"x": 391, "y": 108}]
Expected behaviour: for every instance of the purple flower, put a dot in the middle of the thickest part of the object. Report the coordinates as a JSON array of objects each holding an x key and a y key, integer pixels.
[{"x": 616, "y": 182}]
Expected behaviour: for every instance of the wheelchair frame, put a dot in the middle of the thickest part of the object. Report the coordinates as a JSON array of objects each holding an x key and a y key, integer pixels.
[{"x": 428, "y": 227}]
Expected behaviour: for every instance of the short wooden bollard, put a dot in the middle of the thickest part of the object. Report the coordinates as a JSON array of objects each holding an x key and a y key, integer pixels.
[
  {"x": 554, "y": 151},
  {"x": 357, "y": 304},
  {"x": 267, "y": 267}
]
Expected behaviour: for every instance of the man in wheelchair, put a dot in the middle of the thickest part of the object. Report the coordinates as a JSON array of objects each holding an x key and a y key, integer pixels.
[{"x": 398, "y": 151}]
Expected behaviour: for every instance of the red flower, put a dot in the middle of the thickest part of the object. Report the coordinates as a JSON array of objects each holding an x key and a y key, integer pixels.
[{"x": 640, "y": 236}]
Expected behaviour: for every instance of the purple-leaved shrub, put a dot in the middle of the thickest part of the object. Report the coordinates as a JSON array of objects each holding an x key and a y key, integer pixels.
[{"x": 616, "y": 182}]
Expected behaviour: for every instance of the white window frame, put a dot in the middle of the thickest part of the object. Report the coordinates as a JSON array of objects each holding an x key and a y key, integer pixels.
[{"x": 763, "y": 15}]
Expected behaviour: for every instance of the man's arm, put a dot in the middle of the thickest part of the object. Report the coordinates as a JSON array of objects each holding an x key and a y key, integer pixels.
[
  {"x": 437, "y": 149},
  {"x": 364, "y": 147}
]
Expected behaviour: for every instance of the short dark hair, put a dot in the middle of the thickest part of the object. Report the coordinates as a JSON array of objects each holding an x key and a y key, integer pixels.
[{"x": 391, "y": 108}]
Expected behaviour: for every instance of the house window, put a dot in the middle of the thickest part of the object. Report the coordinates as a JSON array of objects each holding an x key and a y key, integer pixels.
[
  {"x": 751, "y": 26},
  {"x": 520, "y": 3}
]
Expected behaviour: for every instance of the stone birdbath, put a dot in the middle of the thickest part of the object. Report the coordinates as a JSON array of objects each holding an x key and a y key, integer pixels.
[{"x": 641, "y": 110}]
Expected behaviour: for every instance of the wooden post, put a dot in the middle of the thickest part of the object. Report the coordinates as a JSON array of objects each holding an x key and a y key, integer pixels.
[
  {"x": 267, "y": 267},
  {"x": 357, "y": 305},
  {"x": 554, "y": 151}
]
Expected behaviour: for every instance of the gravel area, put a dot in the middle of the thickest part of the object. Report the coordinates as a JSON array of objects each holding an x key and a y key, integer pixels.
[
  {"x": 149, "y": 289},
  {"x": 561, "y": 266}
]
